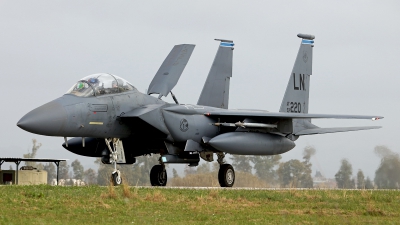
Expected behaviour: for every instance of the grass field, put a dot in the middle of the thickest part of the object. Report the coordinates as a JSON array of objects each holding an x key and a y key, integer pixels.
[{"x": 130, "y": 205}]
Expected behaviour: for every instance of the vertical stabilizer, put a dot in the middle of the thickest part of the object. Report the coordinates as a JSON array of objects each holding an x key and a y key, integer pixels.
[
  {"x": 215, "y": 92},
  {"x": 298, "y": 88}
]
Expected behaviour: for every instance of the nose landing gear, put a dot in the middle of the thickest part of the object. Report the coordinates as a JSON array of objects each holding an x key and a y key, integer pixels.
[{"x": 117, "y": 155}]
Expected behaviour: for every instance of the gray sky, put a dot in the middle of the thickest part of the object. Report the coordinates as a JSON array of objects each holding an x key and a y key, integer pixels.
[{"x": 46, "y": 46}]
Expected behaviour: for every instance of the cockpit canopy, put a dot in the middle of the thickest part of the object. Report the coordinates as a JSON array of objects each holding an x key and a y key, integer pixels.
[{"x": 100, "y": 84}]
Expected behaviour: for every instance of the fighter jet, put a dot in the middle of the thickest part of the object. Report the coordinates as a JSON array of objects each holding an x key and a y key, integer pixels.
[{"x": 107, "y": 117}]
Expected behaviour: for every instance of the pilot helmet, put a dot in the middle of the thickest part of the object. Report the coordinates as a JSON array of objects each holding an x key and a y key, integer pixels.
[
  {"x": 80, "y": 85},
  {"x": 114, "y": 84},
  {"x": 93, "y": 80}
]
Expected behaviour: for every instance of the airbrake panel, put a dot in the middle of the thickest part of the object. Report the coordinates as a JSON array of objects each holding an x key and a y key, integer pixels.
[{"x": 171, "y": 70}]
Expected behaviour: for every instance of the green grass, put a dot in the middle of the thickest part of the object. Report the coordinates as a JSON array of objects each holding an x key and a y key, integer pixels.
[{"x": 123, "y": 205}]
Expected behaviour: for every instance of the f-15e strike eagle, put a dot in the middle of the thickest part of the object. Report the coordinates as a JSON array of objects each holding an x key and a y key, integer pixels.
[{"x": 109, "y": 118}]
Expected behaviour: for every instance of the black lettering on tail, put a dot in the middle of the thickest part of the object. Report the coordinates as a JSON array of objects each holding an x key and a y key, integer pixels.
[
  {"x": 302, "y": 86},
  {"x": 294, "y": 82},
  {"x": 302, "y": 82}
]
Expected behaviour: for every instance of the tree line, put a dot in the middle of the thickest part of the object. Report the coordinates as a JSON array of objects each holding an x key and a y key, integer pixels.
[
  {"x": 387, "y": 176},
  {"x": 270, "y": 171}
]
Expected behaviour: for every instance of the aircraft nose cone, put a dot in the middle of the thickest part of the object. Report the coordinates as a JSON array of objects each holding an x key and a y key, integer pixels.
[{"x": 48, "y": 119}]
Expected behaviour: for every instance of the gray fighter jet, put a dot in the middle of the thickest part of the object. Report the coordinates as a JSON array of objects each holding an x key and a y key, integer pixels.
[{"x": 109, "y": 118}]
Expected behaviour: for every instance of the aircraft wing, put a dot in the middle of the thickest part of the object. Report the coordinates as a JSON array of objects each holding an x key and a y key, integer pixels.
[
  {"x": 171, "y": 70},
  {"x": 333, "y": 130},
  {"x": 276, "y": 115}
]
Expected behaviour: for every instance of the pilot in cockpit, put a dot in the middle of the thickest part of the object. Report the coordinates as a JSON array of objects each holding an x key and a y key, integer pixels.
[
  {"x": 100, "y": 84},
  {"x": 95, "y": 82},
  {"x": 117, "y": 86},
  {"x": 80, "y": 86}
]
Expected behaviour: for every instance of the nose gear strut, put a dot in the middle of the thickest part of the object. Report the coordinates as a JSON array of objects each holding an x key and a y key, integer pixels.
[{"x": 116, "y": 155}]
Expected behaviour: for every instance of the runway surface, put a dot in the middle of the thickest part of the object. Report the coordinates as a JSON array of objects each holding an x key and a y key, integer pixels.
[{"x": 263, "y": 189}]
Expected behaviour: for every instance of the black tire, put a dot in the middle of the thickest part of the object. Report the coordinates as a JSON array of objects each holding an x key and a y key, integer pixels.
[
  {"x": 158, "y": 176},
  {"x": 226, "y": 175},
  {"x": 116, "y": 179}
]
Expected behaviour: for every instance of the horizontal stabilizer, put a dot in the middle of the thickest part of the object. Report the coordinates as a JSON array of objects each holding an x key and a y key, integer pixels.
[
  {"x": 333, "y": 130},
  {"x": 171, "y": 70}
]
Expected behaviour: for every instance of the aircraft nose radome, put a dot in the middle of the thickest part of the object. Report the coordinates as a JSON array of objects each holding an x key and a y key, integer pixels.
[{"x": 48, "y": 119}]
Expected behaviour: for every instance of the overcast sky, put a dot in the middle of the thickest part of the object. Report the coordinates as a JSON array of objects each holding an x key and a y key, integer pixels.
[{"x": 46, "y": 46}]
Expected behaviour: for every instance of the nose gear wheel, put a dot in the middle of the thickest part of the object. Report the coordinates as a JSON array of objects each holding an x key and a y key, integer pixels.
[{"x": 116, "y": 178}]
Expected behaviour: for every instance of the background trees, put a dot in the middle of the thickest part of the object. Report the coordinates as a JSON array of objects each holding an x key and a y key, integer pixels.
[
  {"x": 343, "y": 176},
  {"x": 369, "y": 184},
  {"x": 295, "y": 173},
  {"x": 360, "y": 180},
  {"x": 388, "y": 173},
  {"x": 241, "y": 163},
  {"x": 265, "y": 167},
  {"x": 306, "y": 179},
  {"x": 32, "y": 154},
  {"x": 90, "y": 176},
  {"x": 78, "y": 169},
  {"x": 51, "y": 171},
  {"x": 63, "y": 170}
]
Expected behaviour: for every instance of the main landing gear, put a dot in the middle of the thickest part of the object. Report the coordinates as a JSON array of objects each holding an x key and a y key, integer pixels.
[
  {"x": 117, "y": 153},
  {"x": 158, "y": 175},
  {"x": 226, "y": 173}
]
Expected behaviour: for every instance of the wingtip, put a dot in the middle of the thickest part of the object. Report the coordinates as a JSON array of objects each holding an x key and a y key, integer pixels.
[
  {"x": 306, "y": 36},
  {"x": 224, "y": 40}
]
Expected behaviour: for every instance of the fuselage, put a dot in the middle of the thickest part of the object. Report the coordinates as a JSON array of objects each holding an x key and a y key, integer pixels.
[{"x": 104, "y": 106}]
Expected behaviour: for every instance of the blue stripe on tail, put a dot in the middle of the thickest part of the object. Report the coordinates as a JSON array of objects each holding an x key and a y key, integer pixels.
[
  {"x": 307, "y": 42},
  {"x": 226, "y": 44}
]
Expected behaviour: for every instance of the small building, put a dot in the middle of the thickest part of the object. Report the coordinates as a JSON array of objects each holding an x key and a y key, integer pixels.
[{"x": 27, "y": 175}]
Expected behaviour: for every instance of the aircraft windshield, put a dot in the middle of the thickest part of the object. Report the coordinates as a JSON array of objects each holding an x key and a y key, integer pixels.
[{"x": 100, "y": 84}]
